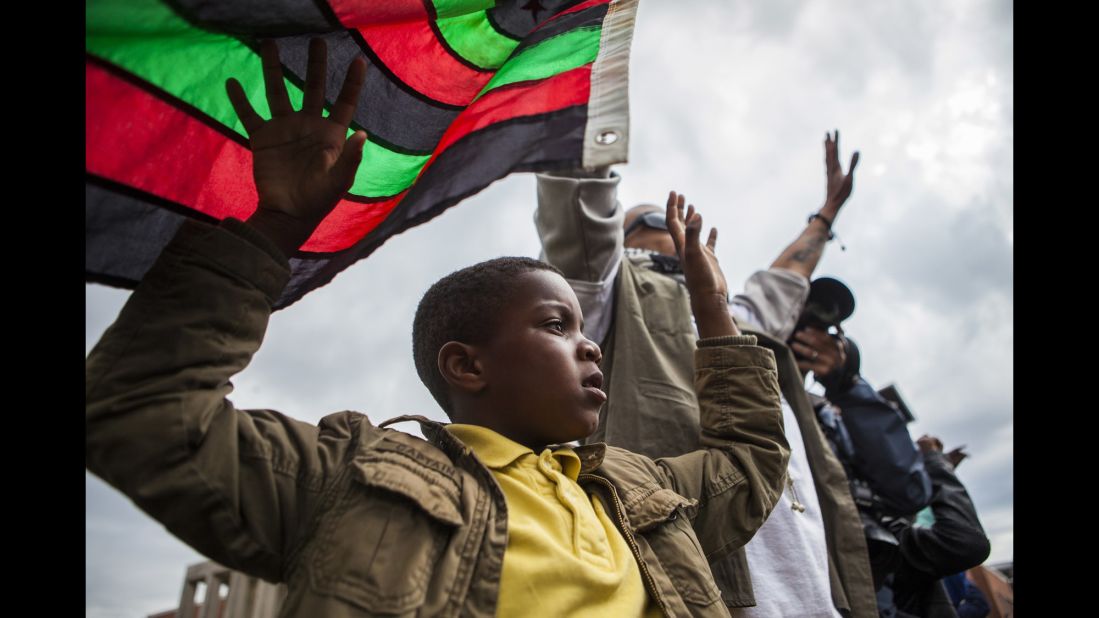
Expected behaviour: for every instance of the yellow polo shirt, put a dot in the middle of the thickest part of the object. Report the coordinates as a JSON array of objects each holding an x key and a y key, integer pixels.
[{"x": 564, "y": 555}]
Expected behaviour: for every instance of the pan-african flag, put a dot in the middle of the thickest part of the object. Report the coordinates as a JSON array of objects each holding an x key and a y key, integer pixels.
[{"x": 459, "y": 93}]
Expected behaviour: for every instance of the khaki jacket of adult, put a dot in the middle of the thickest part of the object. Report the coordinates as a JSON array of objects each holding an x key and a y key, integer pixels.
[
  {"x": 647, "y": 343},
  {"x": 361, "y": 520}
]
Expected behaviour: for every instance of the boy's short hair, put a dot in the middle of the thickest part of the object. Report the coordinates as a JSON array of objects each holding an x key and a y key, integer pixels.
[{"x": 463, "y": 306}]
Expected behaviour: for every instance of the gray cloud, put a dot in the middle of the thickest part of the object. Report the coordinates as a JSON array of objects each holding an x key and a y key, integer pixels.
[
  {"x": 949, "y": 262},
  {"x": 133, "y": 567}
]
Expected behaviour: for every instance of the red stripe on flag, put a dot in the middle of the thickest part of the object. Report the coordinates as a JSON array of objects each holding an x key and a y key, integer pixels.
[
  {"x": 137, "y": 139},
  {"x": 415, "y": 55},
  {"x": 551, "y": 94},
  {"x": 349, "y": 223},
  {"x": 355, "y": 13}
]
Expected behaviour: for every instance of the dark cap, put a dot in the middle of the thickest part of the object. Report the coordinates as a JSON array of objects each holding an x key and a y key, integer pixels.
[{"x": 830, "y": 301}]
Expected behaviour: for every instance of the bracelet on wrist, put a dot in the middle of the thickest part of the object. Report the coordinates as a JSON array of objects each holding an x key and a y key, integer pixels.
[
  {"x": 827, "y": 223},
  {"x": 827, "y": 226}
]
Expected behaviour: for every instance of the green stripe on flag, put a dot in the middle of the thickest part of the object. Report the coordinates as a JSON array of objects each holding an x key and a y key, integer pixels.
[
  {"x": 149, "y": 40},
  {"x": 384, "y": 172},
  {"x": 561, "y": 53},
  {"x": 473, "y": 37},
  {"x": 451, "y": 8}
]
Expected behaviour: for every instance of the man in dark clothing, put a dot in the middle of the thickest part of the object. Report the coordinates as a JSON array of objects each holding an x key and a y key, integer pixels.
[{"x": 911, "y": 571}]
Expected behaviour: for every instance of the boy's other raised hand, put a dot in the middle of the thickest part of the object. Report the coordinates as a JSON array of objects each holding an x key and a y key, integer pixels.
[
  {"x": 705, "y": 282},
  {"x": 303, "y": 163}
]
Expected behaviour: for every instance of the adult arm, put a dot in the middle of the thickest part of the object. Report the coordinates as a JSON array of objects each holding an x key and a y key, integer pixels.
[
  {"x": 956, "y": 541},
  {"x": 737, "y": 477},
  {"x": 771, "y": 302},
  {"x": 579, "y": 222},
  {"x": 803, "y": 255},
  {"x": 773, "y": 299}
]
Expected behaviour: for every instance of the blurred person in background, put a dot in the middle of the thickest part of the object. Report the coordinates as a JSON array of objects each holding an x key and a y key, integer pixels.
[{"x": 954, "y": 541}]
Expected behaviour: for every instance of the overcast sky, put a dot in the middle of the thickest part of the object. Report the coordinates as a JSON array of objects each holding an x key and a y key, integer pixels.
[{"x": 729, "y": 103}]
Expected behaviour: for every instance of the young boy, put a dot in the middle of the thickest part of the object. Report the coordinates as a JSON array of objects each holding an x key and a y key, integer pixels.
[{"x": 486, "y": 517}]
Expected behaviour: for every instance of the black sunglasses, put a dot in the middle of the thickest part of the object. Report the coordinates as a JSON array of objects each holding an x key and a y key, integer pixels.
[{"x": 655, "y": 220}]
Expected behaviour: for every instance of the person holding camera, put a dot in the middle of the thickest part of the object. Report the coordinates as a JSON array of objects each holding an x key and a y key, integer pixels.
[{"x": 868, "y": 432}]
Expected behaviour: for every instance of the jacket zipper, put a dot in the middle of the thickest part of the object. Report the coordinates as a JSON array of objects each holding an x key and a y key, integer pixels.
[{"x": 624, "y": 526}]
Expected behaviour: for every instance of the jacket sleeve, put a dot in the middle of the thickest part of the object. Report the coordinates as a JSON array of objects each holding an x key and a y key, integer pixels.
[
  {"x": 956, "y": 541},
  {"x": 737, "y": 478},
  {"x": 579, "y": 223},
  {"x": 884, "y": 454},
  {"x": 772, "y": 301},
  {"x": 235, "y": 485}
]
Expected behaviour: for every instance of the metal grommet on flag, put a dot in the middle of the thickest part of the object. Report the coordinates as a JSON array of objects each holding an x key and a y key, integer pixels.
[{"x": 606, "y": 138}]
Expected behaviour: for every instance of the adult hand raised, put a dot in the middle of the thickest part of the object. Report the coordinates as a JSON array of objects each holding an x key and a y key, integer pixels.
[
  {"x": 839, "y": 185},
  {"x": 705, "y": 281}
]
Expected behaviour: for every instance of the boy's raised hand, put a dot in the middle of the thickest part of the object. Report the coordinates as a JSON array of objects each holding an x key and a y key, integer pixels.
[
  {"x": 705, "y": 281},
  {"x": 303, "y": 163}
]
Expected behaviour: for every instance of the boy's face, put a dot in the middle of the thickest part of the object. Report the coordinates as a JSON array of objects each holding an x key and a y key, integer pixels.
[{"x": 542, "y": 374}]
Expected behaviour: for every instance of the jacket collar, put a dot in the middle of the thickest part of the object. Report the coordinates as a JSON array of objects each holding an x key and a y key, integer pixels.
[{"x": 591, "y": 455}]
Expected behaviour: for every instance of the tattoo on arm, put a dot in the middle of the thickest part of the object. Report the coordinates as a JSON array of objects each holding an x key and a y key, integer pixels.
[{"x": 814, "y": 246}]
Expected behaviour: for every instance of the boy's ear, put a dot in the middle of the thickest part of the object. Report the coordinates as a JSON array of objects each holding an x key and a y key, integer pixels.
[{"x": 460, "y": 366}]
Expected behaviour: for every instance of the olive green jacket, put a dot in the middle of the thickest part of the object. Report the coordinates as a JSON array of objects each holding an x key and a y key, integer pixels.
[{"x": 360, "y": 520}]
